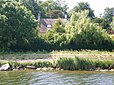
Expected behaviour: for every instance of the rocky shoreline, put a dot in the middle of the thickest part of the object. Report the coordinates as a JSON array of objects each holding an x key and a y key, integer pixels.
[{"x": 6, "y": 67}]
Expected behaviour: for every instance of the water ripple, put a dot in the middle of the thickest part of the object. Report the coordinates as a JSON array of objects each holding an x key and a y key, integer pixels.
[{"x": 56, "y": 78}]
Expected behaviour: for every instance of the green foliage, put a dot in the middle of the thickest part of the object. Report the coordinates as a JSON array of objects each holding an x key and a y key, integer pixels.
[
  {"x": 108, "y": 14},
  {"x": 39, "y": 64},
  {"x": 76, "y": 63},
  {"x": 42, "y": 64},
  {"x": 82, "y": 6},
  {"x": 53, "y": 9},
  {"x": 56, "y": 36},
  {"x": 32, "y": 5},
  {"x": 102, "y": 22},
  {"x": 79, "y": 33},
  {"x": 85, "y": 34},
  {"x": 112, "y": 24},
  {"x": 13, "y": 64},
  {"x": 16, "y": 26},
  {"x": 66, "y": 63},
  {"x": 102, "y": 64}
]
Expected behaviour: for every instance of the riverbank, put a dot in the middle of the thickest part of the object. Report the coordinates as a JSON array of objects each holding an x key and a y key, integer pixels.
[
  {"x": 65, "y": 60},
  {"x": 63, "y": 63}
]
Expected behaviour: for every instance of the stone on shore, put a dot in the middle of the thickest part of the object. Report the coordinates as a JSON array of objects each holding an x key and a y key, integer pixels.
[
  {"x": 20, "y": 68},
  {"x": 50, "y": 68},
  {"x": 111, "y": 70},
  {"x": 30, "y": 67},
  {"x": 15, "y": 69},
  {"x": 45, "y": 69},
  {"x": 38, "y": 69},
  {"x": 5, "y": 67}
]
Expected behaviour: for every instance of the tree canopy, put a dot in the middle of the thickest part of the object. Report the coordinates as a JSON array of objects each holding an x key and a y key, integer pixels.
[
  {"x": 16, "y": 26},
  {"x": 82, "y": 30},
  {"x": 85, "y": 34},
  {"x": 108, "y": 14},
  {"x": 112, "y": 24},
  {"x": 84, "y": 6},
  {"x": 102, "y": 22},
  {"x": 32, "y": 5},
  {"x": 79, "y": 33},
  {"x": 53, "y": 9}
]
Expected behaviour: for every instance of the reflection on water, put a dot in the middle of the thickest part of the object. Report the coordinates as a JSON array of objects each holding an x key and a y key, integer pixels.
[{"x": 29, "y": 77}]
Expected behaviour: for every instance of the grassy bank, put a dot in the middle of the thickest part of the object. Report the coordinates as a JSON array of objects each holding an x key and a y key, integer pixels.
[
  {"x": 24, "y": 55},
  {"x": 67, "y": 60},
  {"x": 83, "y": 64},
  {"x": 38, "y": 64},
  {"x": 67, "y": 63}
]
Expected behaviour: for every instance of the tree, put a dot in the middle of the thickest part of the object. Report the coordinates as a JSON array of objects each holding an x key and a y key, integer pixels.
[
  {"x": 102, "y": 22},
  {"x": 56, "y": 36},
  {"x": 108, "y": 14},
  {"x": 16, "y": 26},
  {"x": 53, "y": 9},
  {"x": 84, "y": 6},
  {"x": 112, "y": 24},
  {"x": 84, "y": 34},
  {"x": 33, "y": 5}
]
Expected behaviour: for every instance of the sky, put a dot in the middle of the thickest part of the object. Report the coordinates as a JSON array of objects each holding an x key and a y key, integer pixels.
[{"x": 97, "y": 5}]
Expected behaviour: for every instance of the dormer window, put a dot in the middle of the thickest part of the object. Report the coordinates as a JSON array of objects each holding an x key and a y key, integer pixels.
[{"x": 49, "y": 26}]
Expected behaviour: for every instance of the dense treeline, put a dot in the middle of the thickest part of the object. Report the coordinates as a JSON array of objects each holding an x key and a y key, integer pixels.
[
  {"x": 79, "y": 33},
  {"x": 18, "y": 20}
]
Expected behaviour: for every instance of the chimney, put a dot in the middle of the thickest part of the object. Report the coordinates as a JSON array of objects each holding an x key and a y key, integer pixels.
[
  {"x": 39, "y": 13},
  {"x": 65, "y": 17}
]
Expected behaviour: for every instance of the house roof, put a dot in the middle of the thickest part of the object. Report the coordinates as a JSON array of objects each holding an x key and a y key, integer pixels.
[
  {"x": 45, "y": 22},
  {"x": 48, "y": 21}
]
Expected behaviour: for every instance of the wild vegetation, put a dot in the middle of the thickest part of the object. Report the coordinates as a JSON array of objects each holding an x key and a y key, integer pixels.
[
  {"x": 18, "y": 23},
  {"x": 38, "y": 64},
  {"x": 83, "y": 64},
  {"x": 16, "y": 26},
  {"x": 66, "y": 63}
]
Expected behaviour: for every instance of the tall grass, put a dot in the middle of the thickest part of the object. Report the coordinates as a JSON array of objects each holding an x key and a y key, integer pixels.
[
  {"x": 82, "y": 64},
  {"x": 41, "y": 64},
  {"x": 45, "y": 55}
]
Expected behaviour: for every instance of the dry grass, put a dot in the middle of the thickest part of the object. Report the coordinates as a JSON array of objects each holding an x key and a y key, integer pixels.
[{"x": 54, "y": 55}]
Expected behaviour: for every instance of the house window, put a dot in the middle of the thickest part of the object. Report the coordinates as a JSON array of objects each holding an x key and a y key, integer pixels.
[{"x": 48, "y": 26}]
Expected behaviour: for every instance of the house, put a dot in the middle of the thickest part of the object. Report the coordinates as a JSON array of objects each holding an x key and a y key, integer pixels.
[{"x": 46, "y": 24}]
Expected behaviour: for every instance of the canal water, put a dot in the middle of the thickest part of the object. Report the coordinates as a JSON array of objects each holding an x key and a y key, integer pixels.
[{"x": 31, "y": 77}]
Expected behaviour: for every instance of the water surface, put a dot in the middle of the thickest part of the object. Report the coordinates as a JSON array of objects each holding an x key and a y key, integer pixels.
[{"x": 30, "y": 77}]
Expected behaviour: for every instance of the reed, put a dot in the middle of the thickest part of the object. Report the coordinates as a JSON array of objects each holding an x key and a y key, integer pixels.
[
  {"x": 66, "y": 63},
  {"x": 77, "y": 63}
]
